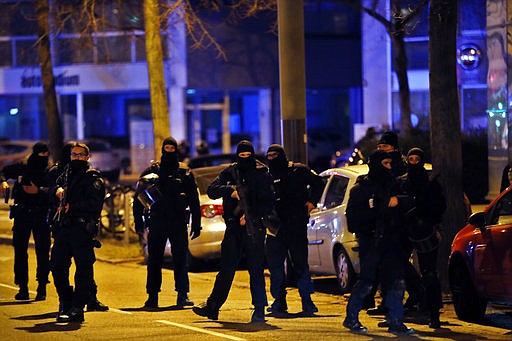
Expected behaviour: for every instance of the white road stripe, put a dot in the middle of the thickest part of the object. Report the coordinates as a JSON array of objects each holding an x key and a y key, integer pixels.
[
  {"x": 119, "y": 311},
  {"x": 200, "y": 330},
  {"x": 14, "y": 288}
]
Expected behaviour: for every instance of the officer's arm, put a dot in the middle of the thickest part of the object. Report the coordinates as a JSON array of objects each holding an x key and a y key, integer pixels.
[
  {"x": 193, "y": 201},
  {"x": 222, "y": 186}
]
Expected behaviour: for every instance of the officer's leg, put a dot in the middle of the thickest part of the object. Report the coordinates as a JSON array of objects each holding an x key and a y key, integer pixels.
[
  {"x": 83, "y": 253},
  {"x": 298, "y": 247},
  {"x": 231, "y": 251},
  {"x": 20, "y": 238},
  {"x": 60, "y": 261},
  {"x": 42, "y": 243},
  {"x": 276, "y": 255},
  {"x": 179, "y": 247},
  {"x": 369, "y": 258},
  {"x": 156, "y": 246},
  {"x": 254, "y": 249},
  {"x": 433, "y": 295}
]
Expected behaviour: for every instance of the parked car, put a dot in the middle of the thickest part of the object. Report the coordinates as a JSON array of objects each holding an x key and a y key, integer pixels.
[
  {"x": 333, "y": 250},
  {"x": 480, "y": 263},
  {"x": 12, "y": 151},
  {"x": 207, "y": 245},
  {"x": 104, "y": 158}
]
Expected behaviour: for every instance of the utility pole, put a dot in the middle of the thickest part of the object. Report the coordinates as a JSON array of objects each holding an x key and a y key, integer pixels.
[{"x": 292, "y": 77}]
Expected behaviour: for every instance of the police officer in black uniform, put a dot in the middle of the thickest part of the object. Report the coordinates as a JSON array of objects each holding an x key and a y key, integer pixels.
[
  {"x": 247, "y": 196},
  {"x": 369, "y": 214},
  {"x": 55, "y": 171},
  {"x": 81, "y": 192},
  {"x": 30, "y": 195},
  {"x": 168, "y": 219},
  {"x": 422, "y": 223},
  {"x": 298, "y": 189}
]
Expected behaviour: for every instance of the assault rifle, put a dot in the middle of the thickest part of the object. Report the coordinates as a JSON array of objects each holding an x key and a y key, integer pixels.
[
  {"x": 62, "y": 181},
  {"x": 252, "y": 230}
]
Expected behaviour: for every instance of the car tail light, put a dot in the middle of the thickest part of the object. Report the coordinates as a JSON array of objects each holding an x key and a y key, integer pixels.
[{"x": 210, "y": 211}]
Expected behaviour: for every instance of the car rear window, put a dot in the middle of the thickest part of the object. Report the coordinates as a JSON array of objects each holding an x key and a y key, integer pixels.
[{"x": 11, "y": 149}]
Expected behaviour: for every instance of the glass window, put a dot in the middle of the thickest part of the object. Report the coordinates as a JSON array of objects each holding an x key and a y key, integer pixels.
[
  {"x": 336, "y": 191},
  {"x": 5, "y": 53},
  {"x": 502, "y": 213}
]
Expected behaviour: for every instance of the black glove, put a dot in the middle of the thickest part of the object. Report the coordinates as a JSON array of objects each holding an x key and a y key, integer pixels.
[{"x": 195, "y": 232}]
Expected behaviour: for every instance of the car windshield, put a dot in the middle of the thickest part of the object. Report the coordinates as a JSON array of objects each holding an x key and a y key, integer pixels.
[{"x": 205, "y": 176}]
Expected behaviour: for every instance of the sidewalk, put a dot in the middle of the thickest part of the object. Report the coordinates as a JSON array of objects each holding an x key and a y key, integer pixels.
[{"x": 113, "y": 250}]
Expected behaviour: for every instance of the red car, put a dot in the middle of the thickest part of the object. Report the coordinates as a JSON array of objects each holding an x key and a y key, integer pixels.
[{"x": 480, "y": 264}]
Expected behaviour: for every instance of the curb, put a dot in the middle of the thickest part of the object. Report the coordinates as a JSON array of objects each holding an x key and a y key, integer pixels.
[{"x": 7, "y": 239}]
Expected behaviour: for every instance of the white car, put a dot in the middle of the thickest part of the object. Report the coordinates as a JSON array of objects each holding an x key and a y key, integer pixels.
[
  {"x": 207, "y": 245},
  {"x": 12, "y": 151},
  {"x": 333, "y": 250}
]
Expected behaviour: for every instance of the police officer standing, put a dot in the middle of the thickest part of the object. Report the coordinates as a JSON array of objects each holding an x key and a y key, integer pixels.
[
  {"x": 369, "y": 214},
  {"x": 31, "y": 203},
  {"x": 247, "y": 196},
  {"x": 81, "y": 192},
  {"x": 298, "y": 189},
  {"x": 168, "y": 219},
  {"x": 55, "y": 171}
]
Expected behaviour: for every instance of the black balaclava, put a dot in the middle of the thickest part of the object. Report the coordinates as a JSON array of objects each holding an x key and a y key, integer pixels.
[
  {"x": 389, "y": 137},
  {"x": 169, "y": 161},
  {"x": 36, "y": 165},
  {"x": 417, "y": 173},
  {"x": 36, "y": 162},
  {"x": 247, "y": 163},
  {"x": 377, "y": 172},
  {"x": 279, "y": 164}
]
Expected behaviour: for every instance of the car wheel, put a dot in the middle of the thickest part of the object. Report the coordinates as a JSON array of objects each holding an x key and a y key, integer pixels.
[
  {"x": 344, "y": 273},
  {"x": 468, "y": 305}
]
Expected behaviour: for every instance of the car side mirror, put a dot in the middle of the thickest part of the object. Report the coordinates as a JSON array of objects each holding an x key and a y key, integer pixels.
[{"x": 478, "y": 220}]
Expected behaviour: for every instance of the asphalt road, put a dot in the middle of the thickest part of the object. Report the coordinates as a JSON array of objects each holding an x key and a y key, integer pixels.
[{"x": 122, "y": 287}]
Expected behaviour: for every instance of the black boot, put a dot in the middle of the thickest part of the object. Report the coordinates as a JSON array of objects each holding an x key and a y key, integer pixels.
[
  {"x": 72, "y": 315},
  {"x": 22, "y": 295},
  {"x": 41, "y": 292},
  {"x": 96, "y": 305},
  {"x": 308, "y": 307},
  {"x": 152, "y": 301},
  {"x": 206, "y": 309},
  {"x": 279, "y": 306},
  {"x": 183, "y": 301},
  {"x": 258, "y": 314},
  {"x": 434, "y": 320},
  {"x": 355, "y": 326}
]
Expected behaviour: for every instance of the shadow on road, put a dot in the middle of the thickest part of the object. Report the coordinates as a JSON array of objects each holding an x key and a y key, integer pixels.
[{"x": 50, "y": 327}]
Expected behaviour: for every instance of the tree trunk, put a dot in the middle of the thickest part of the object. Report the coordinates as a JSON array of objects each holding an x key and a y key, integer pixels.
[
  {"x": 49, "y": 94},
  {"x": 445, "y": 127},
  {"x": 400, "y": 60},
  {"x": 157, "y": 91}
]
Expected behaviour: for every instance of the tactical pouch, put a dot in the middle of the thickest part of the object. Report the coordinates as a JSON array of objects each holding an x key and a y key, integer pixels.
[
  {"x": 13, "y": 211},
  {"x": 92, "y": 228}
]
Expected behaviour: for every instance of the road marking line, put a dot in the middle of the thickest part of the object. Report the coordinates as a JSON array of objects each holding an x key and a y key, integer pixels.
[
  {"x": 200, "y": 330},
  {"x": 14, "y": 288},
  {"x": 119, "y": 311}
]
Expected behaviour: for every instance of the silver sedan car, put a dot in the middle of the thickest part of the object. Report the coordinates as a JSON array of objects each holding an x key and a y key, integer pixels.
[{"x": 333, "y": 250}]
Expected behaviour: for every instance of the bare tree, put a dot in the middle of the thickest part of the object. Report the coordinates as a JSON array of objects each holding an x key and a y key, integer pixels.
[
  {"x": 49, "y": 94},
  {"x": 397, "y": 27},
  {"x": 445, "y": 128}
]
